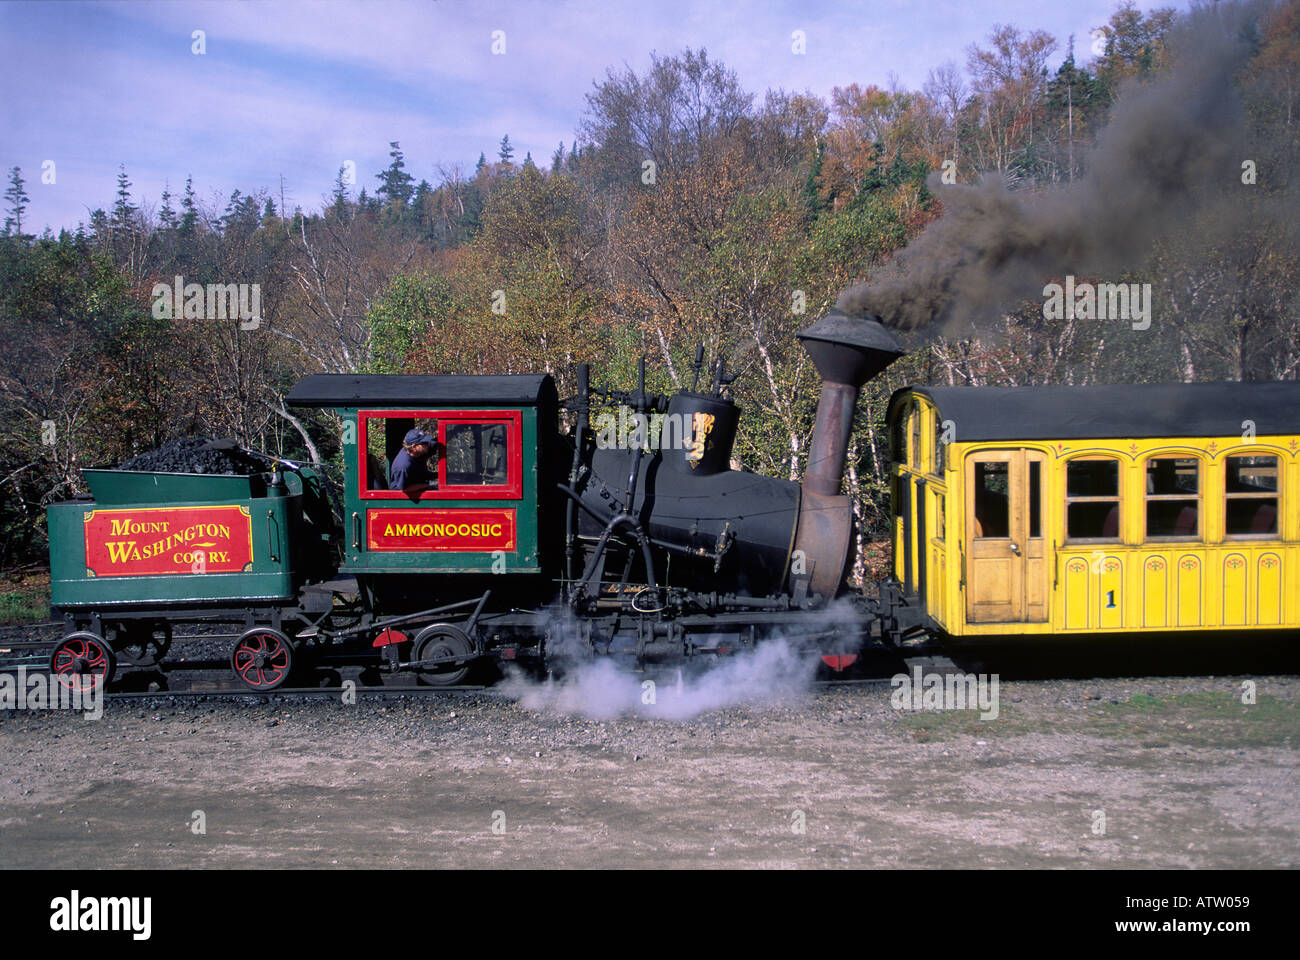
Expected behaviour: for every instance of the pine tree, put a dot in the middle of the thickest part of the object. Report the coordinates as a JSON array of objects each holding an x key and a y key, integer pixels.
[
  {"x": 241, "y": 217},
  {"x": 1075, "y": 97},
  {"x": 506, "y": 151},
  {"x": 557, "y": 158},
  {"x": 339, "y": 206},
  {"x": 17, "y": 199},
  {"x": 482, "y": 162},
  {"x": 395, "y": 182},
  {"x": 422, "y": 207},
  {"x": 99, "y": 227},
  {"x": 167, "y": 216},
  {"x": 268, "y": 212},
  {"x": 232, "y": 206},
  {"x": 189, "y": 213},
  {"x": 528, "y": 160},
  {"x": 123, "y": 209}
]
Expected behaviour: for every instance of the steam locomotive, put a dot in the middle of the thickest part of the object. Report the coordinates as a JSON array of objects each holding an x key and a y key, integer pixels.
[
  {"x": 529, "y": 546},
  {"x": 1026, "y": 512}
]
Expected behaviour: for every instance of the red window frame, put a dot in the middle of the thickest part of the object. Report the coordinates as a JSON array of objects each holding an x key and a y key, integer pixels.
[{"x": 512, "y": 489}]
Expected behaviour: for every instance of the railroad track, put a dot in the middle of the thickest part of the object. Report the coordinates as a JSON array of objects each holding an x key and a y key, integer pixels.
[
  {"x": 294, "y": 693},
  {"x": 367, "y": 693},
  {"x": 189, "y": 684}
]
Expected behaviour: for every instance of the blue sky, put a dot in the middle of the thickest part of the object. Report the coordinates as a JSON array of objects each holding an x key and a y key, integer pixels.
[{"x": 295, "y": 89}]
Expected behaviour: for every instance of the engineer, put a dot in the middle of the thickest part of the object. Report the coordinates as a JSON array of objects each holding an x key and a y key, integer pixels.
[{"x": 413, "y": 468}]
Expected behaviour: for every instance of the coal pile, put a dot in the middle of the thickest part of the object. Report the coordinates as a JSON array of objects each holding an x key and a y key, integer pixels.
[{"x": 190, "y": 455}]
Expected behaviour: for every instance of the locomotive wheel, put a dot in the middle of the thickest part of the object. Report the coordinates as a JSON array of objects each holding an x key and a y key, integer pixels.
[
  {"x": 262, "y": 658},
  {"x": 442, "y": 640},
  {"x": 143, "y": 644},
  {"x": 83, "y": 662}
]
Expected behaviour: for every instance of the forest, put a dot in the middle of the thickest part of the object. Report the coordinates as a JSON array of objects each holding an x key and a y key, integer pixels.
[{"x": 688, "y": 209}]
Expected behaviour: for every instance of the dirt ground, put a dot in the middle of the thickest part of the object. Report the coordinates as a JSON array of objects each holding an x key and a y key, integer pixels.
[{"x": 1073, "y": 773}]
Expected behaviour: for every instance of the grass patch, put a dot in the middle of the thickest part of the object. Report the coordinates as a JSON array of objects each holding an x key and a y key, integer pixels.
[
  {"x": 27, "y": 601},
  {"x": 1204, "y": 719},
  {"x": 930, "y": 725}
]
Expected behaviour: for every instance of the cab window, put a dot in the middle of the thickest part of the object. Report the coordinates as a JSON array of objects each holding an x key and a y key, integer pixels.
[
  {"x": 476, "y": 454},
  {"x": 384, "y": 436},
  {"x": 480, "y": 455}
]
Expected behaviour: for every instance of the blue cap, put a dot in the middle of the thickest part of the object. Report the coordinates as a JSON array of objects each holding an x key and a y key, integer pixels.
[{"x": 417, "y": 436}]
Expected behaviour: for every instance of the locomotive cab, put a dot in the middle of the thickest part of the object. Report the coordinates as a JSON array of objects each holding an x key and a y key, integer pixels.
[{"x": 479, "y": 513}]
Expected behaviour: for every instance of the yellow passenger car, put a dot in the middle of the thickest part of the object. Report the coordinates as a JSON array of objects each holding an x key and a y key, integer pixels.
[{"x": 1069, "y": 510}]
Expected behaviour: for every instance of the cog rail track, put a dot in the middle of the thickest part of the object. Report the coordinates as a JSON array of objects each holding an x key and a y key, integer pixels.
[
  {"x": 291, "y": 693},
  {"x": 228, "y": 689}
]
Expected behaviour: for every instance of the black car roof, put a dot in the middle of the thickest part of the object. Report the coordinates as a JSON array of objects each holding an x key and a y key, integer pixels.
[
  {"x": 420, "y": 390},
  {"x": 1115, "y": 411}
]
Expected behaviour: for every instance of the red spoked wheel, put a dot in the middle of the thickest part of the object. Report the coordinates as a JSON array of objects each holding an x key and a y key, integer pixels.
[
  {"x": 83, "y": 662},
  {"x": 262, "y": 658}
]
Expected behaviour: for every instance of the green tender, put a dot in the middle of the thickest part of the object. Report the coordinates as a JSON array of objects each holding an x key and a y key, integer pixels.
[{"x": 275, "y": 523}]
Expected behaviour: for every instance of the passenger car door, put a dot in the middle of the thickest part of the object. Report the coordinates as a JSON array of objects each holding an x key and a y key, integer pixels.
[{"x": 1006, "y": 560}]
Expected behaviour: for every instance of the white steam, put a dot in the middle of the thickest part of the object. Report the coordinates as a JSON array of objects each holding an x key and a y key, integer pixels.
[{"x": 774, "y": 671}]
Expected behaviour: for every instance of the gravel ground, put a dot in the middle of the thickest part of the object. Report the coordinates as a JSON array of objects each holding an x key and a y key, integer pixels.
[{"x": 1183, "y": 773}]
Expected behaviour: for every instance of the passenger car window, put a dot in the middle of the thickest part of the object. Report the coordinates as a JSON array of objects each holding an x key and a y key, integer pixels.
[
  {"x": 1092, "y": 500},
  {"x": 992, "y": 517},
  {"x": 1173, "y": 487},
  {"x": 1035, "y": 499},
  {"x": 916, "y": 437},
  {"x": 1251, "y": 488}
]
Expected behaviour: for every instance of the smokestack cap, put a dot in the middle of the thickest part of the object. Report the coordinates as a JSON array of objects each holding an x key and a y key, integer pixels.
[{"x": 848, "y": 349}]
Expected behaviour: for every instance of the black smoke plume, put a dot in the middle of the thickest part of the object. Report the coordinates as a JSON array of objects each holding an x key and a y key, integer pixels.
[{"x": 1172, "y": 146}]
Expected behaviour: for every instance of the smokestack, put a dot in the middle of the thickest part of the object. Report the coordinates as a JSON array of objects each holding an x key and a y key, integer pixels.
[{"x": 848, "y": 351}]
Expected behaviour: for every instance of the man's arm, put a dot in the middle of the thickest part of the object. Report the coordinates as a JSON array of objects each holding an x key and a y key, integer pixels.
[{"x": 401, "y": 480}]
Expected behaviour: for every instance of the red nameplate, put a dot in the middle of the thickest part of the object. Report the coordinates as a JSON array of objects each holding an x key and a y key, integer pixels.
[
  {"x": 168, "y": 540},
  {"x": 464, "y": 531}
]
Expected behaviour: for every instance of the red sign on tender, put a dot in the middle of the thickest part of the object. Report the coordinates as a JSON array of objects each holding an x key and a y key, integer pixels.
[{"x": 168, "y": 540}]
